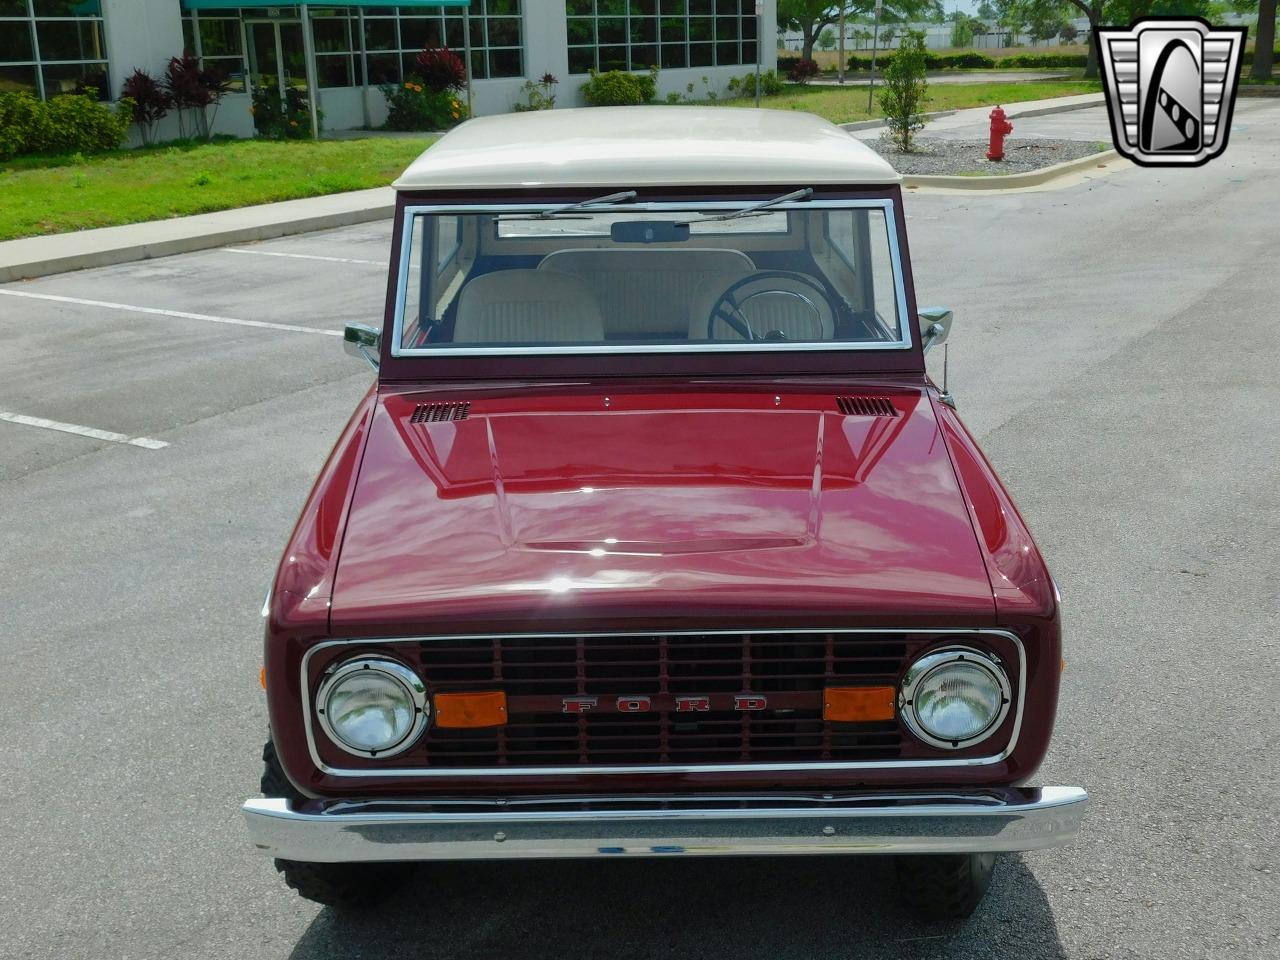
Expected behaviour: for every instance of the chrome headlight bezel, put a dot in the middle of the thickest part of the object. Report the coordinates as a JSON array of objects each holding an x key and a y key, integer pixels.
[
  {"x": 928, "y": 665},
  {"x": 415, "y": 692}
]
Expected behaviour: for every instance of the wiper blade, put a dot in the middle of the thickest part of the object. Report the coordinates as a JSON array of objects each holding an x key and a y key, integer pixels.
[
  {"x": 583, "y": 204},
  {"x": 757, "y": 208}
]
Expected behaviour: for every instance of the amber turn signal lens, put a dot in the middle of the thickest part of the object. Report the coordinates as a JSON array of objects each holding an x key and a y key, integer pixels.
[
  {"x": 858, "y": 704},
  {"x": 262, "y": 677},
  {"x": 454, "y": 710}
]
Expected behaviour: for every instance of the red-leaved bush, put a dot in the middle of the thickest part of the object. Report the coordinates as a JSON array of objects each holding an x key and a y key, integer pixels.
[
  {"x": 151, "y": 102},
  {"x": 802, "y": 71},
  {"x": 441, "y": 69}
]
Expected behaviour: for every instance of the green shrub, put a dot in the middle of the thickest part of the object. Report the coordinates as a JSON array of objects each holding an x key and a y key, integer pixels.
[
  {"x": 71, "y": 123},
  {"x": 413, "y": 105},
  {"x": 616, "y": 88},
  {"x": 967, "y": 60},
  {"x": 903, "y": 96},
  {"x": 290, "y": 120},
  {"x": 770, "y": 84}
]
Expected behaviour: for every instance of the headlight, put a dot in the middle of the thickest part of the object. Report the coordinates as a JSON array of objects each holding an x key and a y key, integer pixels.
[
  {"x": 954, "y": 698},
  {"x": 372, "y": 707}
]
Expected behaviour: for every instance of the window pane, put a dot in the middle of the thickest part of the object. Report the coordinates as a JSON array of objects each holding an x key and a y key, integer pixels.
[
  {"x": 643, "y": 8},
  {"x": 90, "y": 78},
  {"x": 379, "y": 34},
  {"x": 17, "y": 79},
  {"x": 726, "y": 7},
  {"x": 727, "y": 53},
  {"x": 581, "y": 59},
  {"x": 496, "y": 8},
  {"x": 12, "y": 8},
  {"x": 611, "y": 8},
  {"x": 700, "y": 28},
  {"x": 581, "y": 31},
  {"x": 504, "y": 32},
  {"x": 578, "y": 8},
  {"x": 673, "y": 55},
  {"x": 726, "y": 28},
  {"x": 700, "y": 55},
  {"x": 15, "y": 41},
  {"x": 219, "y": 37},
  {"x": 642, "y": 58},
  {"x": 644, "y": 30},
  {"x": 334, "y": 70},
  {"x": 331, "y": 35},
  {"x": 674, "y": 29},
  {"x": 69, "y": 40},
  {"x": 613, "y": 58},
  {"x": 230, "y": 67},
  {"x": 505, "y": 63},
  {"x": 418, "y": 33},
  {"x": 701, "y": 6},
  {"x": 384, "y": 68},
  {"x": 675, "y": 8},
  {"x": 613, "y": 30}
]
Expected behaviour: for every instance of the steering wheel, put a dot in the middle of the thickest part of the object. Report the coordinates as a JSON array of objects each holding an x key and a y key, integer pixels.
[{"x": 728, "y": 306}]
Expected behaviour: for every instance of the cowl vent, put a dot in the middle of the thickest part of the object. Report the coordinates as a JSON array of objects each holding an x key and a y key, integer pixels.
[
  {"x": 866, "y": 407},
  {"x": 436, "y": 412}
]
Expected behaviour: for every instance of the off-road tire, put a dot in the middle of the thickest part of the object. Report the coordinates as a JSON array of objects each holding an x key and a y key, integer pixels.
[
  {"x": 946, "y": 886},
  {"x": 344, "y": 886}
]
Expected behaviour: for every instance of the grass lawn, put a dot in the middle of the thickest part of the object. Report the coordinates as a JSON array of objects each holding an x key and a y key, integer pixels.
[
  {"x": 847, "y": 104},
  {"x": 53, "y": 195}
]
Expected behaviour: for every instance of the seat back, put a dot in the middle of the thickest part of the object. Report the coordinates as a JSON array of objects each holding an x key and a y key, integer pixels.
[
  {"x": 527, "y": 306},
  {"x": 647, "y": 293}
]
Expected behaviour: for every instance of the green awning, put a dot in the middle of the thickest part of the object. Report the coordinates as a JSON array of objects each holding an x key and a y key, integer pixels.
[{"x": 235, "y": 4}]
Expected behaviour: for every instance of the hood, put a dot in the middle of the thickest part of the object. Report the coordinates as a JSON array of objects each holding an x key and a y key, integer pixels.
[{"x": 513, "y": 512}]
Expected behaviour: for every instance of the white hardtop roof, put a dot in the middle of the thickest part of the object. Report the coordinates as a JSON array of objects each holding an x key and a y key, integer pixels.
[{"x": 627, "y": 147}]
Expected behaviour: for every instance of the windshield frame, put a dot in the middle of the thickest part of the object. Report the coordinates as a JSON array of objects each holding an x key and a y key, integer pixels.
[{"x": 403, "y": 249}]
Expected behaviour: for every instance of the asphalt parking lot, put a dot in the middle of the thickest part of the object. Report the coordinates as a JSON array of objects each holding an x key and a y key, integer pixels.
[{"x": 1114, "y": 350}]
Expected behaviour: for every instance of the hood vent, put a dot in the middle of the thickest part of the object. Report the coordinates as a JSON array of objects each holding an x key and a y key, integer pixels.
[
  {"x": 866, "y": 407},
  {"x": 436, "y": 412}
]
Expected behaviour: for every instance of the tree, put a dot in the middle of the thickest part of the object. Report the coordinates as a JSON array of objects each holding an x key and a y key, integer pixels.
[
  {"x": 986, "y": 11},
  {"x": 905, "y": 89},
  {"x": 826, "y": 39},
  {"x": 963, "y": 27},
  {"x": 1068, "y": 33},
  {"x": 811, "y": 17},
  {"x": 1264, "y": 45}
]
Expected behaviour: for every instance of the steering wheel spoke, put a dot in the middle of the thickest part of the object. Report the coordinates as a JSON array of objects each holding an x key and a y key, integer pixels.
[{"x": 729, "y": 307}]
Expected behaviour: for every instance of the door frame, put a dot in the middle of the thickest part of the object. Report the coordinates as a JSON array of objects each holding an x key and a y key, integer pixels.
[{"x": 250, "y": 57}]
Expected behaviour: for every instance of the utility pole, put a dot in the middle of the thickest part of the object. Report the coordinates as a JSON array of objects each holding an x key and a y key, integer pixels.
[
  {"x": 875, "y": 40},
  {"x": 840, "y": 54},
  {"x": 759, "y": 45}
]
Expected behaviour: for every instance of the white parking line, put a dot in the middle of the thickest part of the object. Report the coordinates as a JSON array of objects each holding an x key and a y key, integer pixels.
[
  {"x": 304, "y": 256},
  {"x": 145, "y": 442},
  {"x": 178, "y": 314}
]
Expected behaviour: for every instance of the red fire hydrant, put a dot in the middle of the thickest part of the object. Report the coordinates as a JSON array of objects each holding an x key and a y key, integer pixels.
[{"x": 1000, "y": 128}]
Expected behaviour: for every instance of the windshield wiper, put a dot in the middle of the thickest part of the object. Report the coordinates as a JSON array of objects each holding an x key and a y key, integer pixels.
[
  {"x": 757, "y": 208},
  {"x": 583, "y": 204}
]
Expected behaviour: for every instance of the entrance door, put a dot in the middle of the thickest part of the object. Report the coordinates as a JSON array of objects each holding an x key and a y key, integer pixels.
[{"x": 277, "y": 64}]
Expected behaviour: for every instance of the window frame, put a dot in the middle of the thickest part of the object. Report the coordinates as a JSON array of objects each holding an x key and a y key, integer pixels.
[{"x": 411, "y": 211}]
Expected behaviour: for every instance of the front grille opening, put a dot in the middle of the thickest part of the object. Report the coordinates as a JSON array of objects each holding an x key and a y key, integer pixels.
[
  {"x": 436, "y": 412},
  {"x": 866, "y": 406}
]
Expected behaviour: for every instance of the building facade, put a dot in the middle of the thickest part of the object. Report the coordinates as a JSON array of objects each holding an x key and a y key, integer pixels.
[{"x": 345, "y": 51}]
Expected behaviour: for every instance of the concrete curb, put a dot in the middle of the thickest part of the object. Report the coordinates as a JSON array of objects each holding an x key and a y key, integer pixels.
[
  {"x": 44, "y": 256},
  {"x": 1010, "y": 181},
  {"x": 1011, "y": 112}
]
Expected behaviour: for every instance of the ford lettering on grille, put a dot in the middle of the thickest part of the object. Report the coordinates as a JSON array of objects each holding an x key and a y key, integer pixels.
[{"x": 742, "y": 702}]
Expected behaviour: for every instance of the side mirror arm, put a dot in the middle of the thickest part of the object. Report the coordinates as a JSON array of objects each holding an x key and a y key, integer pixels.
[
  {"x": 935, "y": 326},
  {"x": 364, "y": 341}
]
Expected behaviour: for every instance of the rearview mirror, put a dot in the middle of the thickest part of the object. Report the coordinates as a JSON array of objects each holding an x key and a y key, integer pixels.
[
  {"x": 362, "y": 340},
  {"x": 935, "y": 326}
]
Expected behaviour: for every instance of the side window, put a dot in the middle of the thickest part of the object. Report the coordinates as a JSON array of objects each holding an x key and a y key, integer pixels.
[
  {"x": 413, "y": 283},
  {"x": 447, "y": 236},
  {"x": 882, "y": 277}
]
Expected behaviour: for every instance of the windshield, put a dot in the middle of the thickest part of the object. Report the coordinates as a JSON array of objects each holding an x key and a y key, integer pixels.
[{"x": 656, "y": 277}]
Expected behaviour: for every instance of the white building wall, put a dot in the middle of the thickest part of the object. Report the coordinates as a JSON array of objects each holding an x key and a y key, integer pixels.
[{"x": 146, "y": 33}]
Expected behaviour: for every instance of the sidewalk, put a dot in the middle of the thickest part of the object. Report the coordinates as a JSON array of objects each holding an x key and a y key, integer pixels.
[
  {"x": 59, "y": 253},
  {"x": 979, "y": 118}
]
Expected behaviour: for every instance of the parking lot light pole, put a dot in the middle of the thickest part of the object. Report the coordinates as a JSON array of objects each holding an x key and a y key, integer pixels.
[
  {"x": 313, "y": 88},
  {"x": 875, "y": 39},
  {"x": 759, "y": 45}
]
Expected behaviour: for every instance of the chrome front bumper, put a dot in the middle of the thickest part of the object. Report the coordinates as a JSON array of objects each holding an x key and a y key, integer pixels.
[{"x": 974, "y": 821}]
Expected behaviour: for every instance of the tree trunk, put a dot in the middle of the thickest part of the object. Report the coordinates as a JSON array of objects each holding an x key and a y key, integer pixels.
[
  {"x": 810, "y": 35},
  {"x": 1091, "y": 61},
  {"x": 1264, "y": 44}
]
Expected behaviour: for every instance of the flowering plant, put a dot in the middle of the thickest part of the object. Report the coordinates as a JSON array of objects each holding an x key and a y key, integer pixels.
[{"x": 414, "y": 105}]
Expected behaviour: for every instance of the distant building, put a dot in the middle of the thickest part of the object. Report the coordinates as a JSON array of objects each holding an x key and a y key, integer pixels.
[
  {"x": 937, "y": 36},
  {"x": 56, "y": 46}
]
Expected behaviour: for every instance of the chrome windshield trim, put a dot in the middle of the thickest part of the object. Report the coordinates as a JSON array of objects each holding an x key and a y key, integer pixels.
[
  {"x": 905, "y": 326},
  {"x": 601, "y": 770}
]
